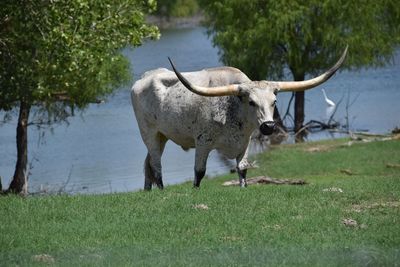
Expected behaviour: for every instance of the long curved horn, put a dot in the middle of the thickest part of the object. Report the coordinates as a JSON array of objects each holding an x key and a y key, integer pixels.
[
  {"x": 232, "y": 89},
  {"x": 308, "y": 84}
]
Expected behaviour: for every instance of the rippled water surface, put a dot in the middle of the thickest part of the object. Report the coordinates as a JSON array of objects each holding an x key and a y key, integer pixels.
[{"x": 102, "y": 150}]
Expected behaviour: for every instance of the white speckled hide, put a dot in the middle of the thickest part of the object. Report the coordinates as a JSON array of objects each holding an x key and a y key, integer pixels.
[{"x": 166, "y": 110}]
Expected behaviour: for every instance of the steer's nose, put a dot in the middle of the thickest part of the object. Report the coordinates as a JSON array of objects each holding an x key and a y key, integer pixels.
[{"x": 267, "y": 127}]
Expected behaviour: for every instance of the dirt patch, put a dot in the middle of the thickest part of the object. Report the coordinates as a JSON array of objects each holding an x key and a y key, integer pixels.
[
  {"x": 396, "y": 137},
  {"x": 319, "y": 148},
  {"x": 266, "y": 180},
  {"x": 201, "y": 207},
  {"x": 349, "y": 222},
  {"x": 333, "y": 189},
  {"x": 391, "y": 165},
  {"x": 376, "y": 205},
  {"x": 44, "y": 258},
  {"x": 347, "y": 172}
]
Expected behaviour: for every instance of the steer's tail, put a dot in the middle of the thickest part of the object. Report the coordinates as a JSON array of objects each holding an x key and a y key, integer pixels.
[{"x": 148, "y": 174}]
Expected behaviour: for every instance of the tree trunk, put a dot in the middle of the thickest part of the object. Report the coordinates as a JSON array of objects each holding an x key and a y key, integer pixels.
[
  {"x": 19, "y": 184},
  {"x": 299, "y": 111}
]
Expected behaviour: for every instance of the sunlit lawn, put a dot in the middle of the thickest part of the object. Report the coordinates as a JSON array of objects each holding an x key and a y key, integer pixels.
[{"x": 347, "y": 215}]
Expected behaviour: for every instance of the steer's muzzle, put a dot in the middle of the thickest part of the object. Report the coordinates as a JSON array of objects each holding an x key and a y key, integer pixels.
[{"x": 267, "y": 127}]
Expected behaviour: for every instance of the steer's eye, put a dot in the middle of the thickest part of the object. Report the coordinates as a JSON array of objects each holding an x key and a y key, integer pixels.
[{"x": 252, "y": 103}]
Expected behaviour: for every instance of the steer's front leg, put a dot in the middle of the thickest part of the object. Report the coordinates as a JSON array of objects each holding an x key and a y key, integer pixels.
[
  {"x": 241, "y": 167},
  {"x": 242, "y": 177}
]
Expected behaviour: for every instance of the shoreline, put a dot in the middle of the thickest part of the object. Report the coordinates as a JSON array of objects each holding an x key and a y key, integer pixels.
[{"x": 350, "y": 139}]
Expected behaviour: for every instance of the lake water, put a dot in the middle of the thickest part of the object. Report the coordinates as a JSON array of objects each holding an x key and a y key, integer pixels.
[{"x": 102, "y": 150}]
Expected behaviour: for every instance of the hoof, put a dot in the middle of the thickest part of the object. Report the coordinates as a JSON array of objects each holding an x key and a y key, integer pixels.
[{"x": 197, "y": 187}]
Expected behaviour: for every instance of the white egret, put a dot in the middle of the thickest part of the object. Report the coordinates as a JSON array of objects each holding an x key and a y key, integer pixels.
[{"x": 327, "y": 100}]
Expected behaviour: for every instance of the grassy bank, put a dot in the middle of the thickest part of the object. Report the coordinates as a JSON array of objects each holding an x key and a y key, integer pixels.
[{"x": 348, "y": 215}]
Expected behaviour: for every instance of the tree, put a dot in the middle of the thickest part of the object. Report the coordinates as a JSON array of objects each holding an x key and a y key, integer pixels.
[
  {"x": 265, "y": 38},
  {"x": 59, "y": 55},
  {"x": 176, "y": 8}
]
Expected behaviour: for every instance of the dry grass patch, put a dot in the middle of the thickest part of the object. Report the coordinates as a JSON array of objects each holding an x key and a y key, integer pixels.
[
  {"x": 201, "y": 207},
  {"x": 315, "y": 147},
  {"x": 376, "y": 205},
  {"x": 319, "y": 148},
  {"x": 43, "y": 258}
]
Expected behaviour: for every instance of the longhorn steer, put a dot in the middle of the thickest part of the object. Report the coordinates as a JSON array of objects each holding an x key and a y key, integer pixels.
[{"x": 215, "y": 108}]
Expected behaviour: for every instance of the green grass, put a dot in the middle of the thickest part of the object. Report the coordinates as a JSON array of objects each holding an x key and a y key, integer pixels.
[{"x": 275, "y": 225}]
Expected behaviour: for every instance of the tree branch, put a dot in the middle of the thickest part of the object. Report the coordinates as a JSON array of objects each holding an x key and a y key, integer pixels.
[{"x": 287, "y": 113}]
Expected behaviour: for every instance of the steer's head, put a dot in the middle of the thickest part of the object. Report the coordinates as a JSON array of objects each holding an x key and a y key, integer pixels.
[
  {"x": 260, "y": 96},
  {"x": 259, "y": 99}
]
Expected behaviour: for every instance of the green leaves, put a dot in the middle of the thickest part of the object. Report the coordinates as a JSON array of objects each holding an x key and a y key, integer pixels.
[
  {"x": 48, "y": 47},
  {"x": 177, "y": 8},
  {"x": 264, "y": 37}
]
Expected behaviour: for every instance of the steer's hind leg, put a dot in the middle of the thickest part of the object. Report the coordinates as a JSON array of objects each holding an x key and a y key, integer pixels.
[
  {"x": 152, "y": 165},
  {"x": 149, "y": 177}
]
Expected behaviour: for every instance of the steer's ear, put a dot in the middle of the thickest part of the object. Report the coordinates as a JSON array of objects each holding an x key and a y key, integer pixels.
[
  {"x": 243, "y": 91},
  {"x": 243, "y": 95}
]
